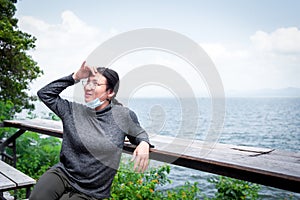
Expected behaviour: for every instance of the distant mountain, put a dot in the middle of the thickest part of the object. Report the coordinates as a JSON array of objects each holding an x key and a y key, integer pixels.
[{"x": 284, "y": 92}]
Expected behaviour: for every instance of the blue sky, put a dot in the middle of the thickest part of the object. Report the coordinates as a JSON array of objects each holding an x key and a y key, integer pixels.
[
  {"x": 202, "y": 20},
  {"x": 254, "y": 44}
]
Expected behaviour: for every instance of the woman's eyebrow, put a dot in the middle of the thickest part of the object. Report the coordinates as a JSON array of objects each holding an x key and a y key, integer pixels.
[{"x": 94, "y": 79}]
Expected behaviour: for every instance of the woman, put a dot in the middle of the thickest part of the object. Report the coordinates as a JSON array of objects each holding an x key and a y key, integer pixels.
[{"x": 93, "y": 137}]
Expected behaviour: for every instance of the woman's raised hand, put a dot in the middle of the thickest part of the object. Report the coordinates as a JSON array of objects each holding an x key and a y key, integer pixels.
[{"x": 84, "y": 72}]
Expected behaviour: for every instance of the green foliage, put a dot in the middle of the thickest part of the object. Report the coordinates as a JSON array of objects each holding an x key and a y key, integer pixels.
[
  {"x": 5, "y": 113},
  {"x": 18, "y": 69},
  {"x": 130, "y": 185},
  {"x": 187, "y": 192},
  {"x": 5, "y": 110},
  {"x": 36, "y": 154},
  {"x": 230, "y": 189}
]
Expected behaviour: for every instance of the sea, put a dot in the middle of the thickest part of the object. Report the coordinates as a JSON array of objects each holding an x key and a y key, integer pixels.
[{"x": 270, "y": 122}]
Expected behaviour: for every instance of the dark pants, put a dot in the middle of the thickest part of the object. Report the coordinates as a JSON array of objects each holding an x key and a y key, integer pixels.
[{"x": 53, "y": 185}]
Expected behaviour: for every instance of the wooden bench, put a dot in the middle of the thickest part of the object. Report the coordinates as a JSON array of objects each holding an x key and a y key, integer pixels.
[{"x": 12, "y": 179}]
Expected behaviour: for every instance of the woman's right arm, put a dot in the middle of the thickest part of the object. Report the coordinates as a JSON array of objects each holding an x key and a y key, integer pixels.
[{"x": 49, "y": 95}]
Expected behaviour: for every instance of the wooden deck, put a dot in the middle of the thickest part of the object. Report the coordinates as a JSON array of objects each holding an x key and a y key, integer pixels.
[{"x": 269, "y": 167}]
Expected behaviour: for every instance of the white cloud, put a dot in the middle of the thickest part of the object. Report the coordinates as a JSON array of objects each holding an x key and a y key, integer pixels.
[
  {"x": 71, "y": 32},
  {"x": 270, "y": 61},
  {"x": 61, "y": 48},
  {"x": 278, "y": 55},
  {"x": 233, "y": 65},
  {"x": 282, "y": 40},
  {"x": 219, "y": 51}
]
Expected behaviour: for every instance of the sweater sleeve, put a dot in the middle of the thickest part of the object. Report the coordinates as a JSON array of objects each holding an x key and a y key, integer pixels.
[
  {"x": 49, "y": 95},
  {"x": 136, "y": 133}
]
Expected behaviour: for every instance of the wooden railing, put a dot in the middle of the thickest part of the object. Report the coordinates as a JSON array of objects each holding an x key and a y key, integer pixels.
[{"x": 271, "y": 167}]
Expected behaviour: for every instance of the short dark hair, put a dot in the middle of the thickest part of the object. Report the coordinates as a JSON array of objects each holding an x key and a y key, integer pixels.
[{"x": 112, "y": 79}]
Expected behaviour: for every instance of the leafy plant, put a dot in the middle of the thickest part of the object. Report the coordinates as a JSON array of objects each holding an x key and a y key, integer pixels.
[
  {"x": 36, "y": 154},
  {"x": 18, "y": 69},
  {"x": 5, "y": 110},
  {"x": 186, "y": 192},
  {"x": 230, "y": 189},
  {"x": 132, "y": 186}
]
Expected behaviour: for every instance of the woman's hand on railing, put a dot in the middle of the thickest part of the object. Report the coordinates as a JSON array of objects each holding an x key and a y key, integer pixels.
[{"x": 141, "y": 157}]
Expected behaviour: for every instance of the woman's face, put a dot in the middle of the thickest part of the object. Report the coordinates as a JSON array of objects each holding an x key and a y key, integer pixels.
[{"x": 96, "y": 88}]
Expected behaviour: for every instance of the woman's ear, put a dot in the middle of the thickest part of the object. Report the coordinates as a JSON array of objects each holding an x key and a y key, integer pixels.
[{"x": 110, "y": 94}]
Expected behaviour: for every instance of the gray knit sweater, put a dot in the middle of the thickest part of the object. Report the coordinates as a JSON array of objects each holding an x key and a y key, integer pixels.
[{"x": 92, "y": 141}]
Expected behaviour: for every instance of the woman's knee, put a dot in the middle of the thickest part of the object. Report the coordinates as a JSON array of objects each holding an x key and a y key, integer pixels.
[{"x": 50, "y": 186}]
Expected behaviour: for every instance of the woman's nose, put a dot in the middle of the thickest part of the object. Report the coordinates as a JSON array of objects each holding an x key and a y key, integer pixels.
[{"x": 89, "y": 86}]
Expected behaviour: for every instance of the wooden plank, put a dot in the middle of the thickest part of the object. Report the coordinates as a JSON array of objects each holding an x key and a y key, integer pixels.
[
  {"x": 260, "y": 165},
  {"x": 6, "y": 183},
  {"x": 248, "y": 157},
  {"x": 15, "y": 175},
  {"x": 47, "y": 127},
  {"x": 199, "y": 148}
]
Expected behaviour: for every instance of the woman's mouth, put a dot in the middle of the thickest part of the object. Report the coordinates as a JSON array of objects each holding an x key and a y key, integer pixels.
[{"x": 87, "y": 95}]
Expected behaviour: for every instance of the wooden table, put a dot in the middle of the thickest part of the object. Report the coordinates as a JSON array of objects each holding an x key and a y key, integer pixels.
[{"x": 265, "y": 166}]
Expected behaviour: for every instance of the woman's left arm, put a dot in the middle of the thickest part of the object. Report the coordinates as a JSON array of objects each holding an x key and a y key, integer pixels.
[{"x": 137, "y": 135}]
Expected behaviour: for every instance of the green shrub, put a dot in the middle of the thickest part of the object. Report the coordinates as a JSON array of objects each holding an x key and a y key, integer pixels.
[
  {"x": 6, "y": 110},
  {"x": 234, "y": 189},
  {"x": 132, "y": 186},
  {"x": 36, "y": 154},
  {"x": 186, "y": 192}
]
